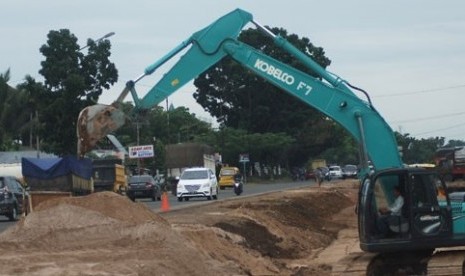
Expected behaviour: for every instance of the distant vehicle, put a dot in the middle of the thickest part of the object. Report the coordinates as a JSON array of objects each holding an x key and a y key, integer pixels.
[
  {"x": 299, "y": 174},
  {"x": 335, "y": 171},
  {"x": 227, "y": 177},
  {"x": 161, "y": 180},
  {"x": 197, "y": 182},
  {"x": 238, "y": 184},
  {"x": 349, "y": 171},
  {"x": 143, "y": 186},
  {"x": 13, "y": 197},
  {"x": 109, "y": 175},
  {"x": 450, "y": 163},
  {"x": 324, "y": 172}
]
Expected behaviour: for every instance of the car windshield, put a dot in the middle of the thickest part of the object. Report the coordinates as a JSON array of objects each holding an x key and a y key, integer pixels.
[
  {"x": 334, "y": 168},
  {"x": 350, "y": 168},
  {"x": 194, "y": 175},
  {"x": 228, "y": 172}
]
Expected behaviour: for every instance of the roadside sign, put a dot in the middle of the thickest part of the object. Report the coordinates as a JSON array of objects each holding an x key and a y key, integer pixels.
[
  {"x": 244, "y": 157},
  {"x": 141, "y": 151}
]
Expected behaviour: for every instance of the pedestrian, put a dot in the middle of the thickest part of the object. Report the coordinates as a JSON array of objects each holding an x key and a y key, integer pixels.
[{"x": 318, "y": 177}]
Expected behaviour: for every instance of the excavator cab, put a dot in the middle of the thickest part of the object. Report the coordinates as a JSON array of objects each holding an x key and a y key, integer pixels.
[{"x": 426, "y": 213}]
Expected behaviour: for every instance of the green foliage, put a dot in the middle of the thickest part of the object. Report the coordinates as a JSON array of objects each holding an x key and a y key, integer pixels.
[
  {"x": 73, "y": 81},
  {"x": 13, "y": 116},
  {"x": 418, "y": 150},
  {"x": 453, "y": 143}
]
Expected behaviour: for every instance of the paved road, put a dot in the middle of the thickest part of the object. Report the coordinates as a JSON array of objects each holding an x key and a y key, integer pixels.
[{"x": 249, "y": 189}]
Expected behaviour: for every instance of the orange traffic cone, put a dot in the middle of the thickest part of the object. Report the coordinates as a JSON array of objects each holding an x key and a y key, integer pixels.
[{"x": 165, "y": 203}]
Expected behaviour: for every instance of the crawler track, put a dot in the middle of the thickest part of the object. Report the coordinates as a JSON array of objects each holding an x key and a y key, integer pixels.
[{"x": 445, "y": 262}]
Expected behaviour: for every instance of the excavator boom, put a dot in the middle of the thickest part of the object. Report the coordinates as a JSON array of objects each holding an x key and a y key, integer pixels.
[{"x": 333, "y": 97}]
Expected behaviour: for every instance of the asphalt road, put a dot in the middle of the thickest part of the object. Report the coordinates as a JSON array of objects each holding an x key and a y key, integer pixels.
[{"x": 249, "y": 190}]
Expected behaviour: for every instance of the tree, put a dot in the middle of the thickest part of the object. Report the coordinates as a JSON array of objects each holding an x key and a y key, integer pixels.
[
  {"x": 73, "y": 80},
  {"x": 240, "y": 99},
  {"x": 159, "y": 128},
  {"x": 454, "y": 143},
  {"x": 418, "y": 150},
  {"x": 13, "y": 118}
]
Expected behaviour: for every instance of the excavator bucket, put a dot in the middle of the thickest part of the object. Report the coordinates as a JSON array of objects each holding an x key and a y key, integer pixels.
[{"x": 94, "y": 123}]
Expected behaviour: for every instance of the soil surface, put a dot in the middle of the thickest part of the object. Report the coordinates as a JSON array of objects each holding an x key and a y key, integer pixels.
[{"x": 296, "y": 232}]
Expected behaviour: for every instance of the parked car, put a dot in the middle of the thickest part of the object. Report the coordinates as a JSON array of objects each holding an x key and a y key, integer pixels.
[
  {"x": 335, "y": 171},
  {"x": 13, "y": 197},
  {"x": 143, "y": 186},
  {"x": 349, "y": 171},
  {"x": 197, "y": 182}
]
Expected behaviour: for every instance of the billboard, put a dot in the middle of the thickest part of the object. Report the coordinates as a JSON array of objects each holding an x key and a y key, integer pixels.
[{"x": 141, "y": 151}]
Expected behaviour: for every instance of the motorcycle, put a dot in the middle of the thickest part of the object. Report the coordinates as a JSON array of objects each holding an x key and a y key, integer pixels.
[{"x": 238, "y": 186}]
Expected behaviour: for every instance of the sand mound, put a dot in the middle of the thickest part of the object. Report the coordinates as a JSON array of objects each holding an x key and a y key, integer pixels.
[{"x": 79, "y": 235}]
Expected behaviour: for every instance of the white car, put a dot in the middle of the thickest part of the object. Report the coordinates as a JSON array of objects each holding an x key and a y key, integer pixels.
[
  {"x": 335, "y": 171},
  {"x": 197, "y": 182}
]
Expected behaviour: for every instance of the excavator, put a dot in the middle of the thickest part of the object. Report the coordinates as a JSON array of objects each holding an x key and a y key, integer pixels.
[{"x": 426, "y": 237}]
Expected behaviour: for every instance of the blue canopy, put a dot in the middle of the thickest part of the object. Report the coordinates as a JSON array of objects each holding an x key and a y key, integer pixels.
[{"x": 49, "y": 168}]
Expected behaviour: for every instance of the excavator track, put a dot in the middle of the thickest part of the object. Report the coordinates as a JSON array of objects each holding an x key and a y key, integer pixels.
[
  {"x": 444, "y": 262},
  {"x": 447, "y": 262},
  {"x": 354, "y": 264}
]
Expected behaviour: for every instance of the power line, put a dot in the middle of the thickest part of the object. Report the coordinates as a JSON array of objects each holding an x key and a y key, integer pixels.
[
  {"x": 441, "y": 129},
  {"x": 420, "y": 91},
  {"x": 430, "y": 118}
]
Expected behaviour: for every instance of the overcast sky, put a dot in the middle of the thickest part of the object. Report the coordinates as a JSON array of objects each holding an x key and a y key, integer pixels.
[{"x": 408, "y": 55}]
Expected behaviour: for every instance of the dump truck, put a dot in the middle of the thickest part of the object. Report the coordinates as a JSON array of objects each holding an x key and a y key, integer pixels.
[
  {"x": 109, "y": 175},
  {"x": 49, "y": 178},
  {"x": 450, "y": 162}
]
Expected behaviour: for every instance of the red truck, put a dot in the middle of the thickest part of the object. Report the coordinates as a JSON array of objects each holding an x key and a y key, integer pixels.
[{"x": 450, "y": 162}]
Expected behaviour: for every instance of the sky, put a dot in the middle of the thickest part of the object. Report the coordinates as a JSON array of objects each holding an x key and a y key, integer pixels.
[{"x": 408, "y": 55}]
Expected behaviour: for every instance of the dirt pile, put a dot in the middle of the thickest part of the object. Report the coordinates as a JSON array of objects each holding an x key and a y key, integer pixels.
[
  {"x": 99, "y": 234},
  {"x": 106, "y": 234},
  {"x": 277, "y": 234}
]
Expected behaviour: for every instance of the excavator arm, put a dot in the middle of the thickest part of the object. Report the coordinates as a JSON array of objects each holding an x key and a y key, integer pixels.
[{"x": 333, "y": 97}]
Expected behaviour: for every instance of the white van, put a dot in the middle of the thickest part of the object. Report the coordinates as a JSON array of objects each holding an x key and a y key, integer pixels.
[
  {"x": 335, "y": 171},
  {"x": 197, "y": 182}
]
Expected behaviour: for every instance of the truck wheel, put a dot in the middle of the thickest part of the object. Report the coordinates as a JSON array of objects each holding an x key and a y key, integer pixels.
[{"x": 179, "y": 199}]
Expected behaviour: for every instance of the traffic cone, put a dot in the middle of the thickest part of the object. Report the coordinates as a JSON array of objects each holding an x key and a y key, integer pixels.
[{"x": 165, "y": 203}]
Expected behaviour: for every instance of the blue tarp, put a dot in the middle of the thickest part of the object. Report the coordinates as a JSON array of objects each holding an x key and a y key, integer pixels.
[{"x": 49, "y": 168}]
